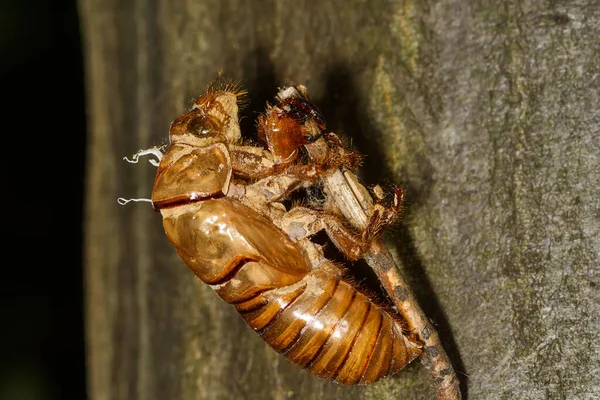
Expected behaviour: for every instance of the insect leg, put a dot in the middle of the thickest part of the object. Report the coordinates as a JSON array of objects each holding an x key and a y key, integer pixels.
[
  {"x": 350, "y": 198},
  {"x": 255, "y": 163},
  {"x": 302, "y": 222}
]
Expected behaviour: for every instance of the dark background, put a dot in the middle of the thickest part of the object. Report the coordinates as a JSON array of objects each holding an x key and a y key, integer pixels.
[{"x": 43, "y": 132}]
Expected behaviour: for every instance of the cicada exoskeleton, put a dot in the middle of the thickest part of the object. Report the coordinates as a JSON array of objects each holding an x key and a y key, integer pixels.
[{"x": 215, "y": 196}]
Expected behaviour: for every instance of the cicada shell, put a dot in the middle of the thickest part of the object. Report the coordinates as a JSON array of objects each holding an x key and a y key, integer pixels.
[{"x": 304, "y": 309}]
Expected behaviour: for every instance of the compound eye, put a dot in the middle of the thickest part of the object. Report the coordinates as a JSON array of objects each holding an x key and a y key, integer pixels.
[{"x": 204, "y": 126}]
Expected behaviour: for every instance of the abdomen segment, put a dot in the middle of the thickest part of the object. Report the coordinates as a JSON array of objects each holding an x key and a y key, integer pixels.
[{"x": 325, "y": 325}]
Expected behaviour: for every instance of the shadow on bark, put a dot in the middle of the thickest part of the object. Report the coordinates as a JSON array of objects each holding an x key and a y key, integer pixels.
[
  {"x": 261, "y": 89},
  {"x": 347, "y": 114}
]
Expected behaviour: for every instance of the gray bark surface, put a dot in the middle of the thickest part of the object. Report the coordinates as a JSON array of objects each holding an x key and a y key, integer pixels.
[{"x": 487, "y": 113}]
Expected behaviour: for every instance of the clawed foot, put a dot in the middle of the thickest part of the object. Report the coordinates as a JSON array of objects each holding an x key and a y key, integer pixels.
[
  {"x": 341, "y": 157},
  {"x": 383, "y": 214}
]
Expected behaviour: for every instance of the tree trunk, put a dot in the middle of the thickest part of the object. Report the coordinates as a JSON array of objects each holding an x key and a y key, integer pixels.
[{"x": 485, "y": 112}]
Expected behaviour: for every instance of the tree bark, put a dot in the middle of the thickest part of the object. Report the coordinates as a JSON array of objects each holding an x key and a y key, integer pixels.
[{"x": 485, "y": 112}]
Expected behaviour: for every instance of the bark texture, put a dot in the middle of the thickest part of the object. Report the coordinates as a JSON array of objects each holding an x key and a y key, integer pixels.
[{"x": 487, "y": 113}]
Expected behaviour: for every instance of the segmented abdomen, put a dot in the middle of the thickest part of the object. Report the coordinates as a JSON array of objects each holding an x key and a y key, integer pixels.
[
  {"x": 313, "y": 317},
  {"x": 324, "y": 325}
]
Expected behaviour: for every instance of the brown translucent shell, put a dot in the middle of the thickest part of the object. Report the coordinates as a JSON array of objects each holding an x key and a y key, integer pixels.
[
  {"x": 196, "y": 122},
  {"x": 290, "y": 124},
  {"x": 329, "y": 328},
  {"x": 311, "y": 316},
  {"x": 187, "y": 174},
  {"x": 235, "y": 249},
  {"x": 314, "y": 318}
]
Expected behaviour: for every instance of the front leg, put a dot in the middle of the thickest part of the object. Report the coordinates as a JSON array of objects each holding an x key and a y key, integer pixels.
[
  {"x": 302, "y": 222},
  {"x": 255, "y": 163}
]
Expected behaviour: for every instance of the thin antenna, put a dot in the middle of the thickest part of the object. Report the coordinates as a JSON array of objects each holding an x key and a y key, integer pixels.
[
  {"x": 122, "y": 201},
  {"x": 154, "y": 151}
]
